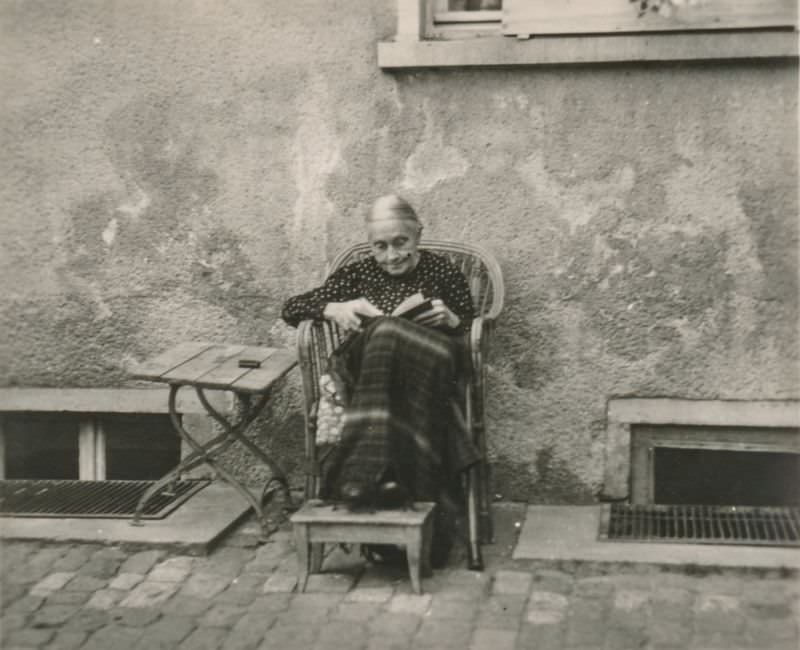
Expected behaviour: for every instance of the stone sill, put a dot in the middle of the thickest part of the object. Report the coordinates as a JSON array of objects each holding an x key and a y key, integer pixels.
[{"x": 561, "y": 50}]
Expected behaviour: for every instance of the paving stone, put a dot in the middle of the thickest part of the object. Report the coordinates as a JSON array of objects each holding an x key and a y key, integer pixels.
[
  {"x": 776, "y": 604},
  {"x": 141, "y": 562},
  {"x": 442, "y": 633},
  {"x": 672, "y": 603},
  {"x": 64, "y": 597},
  {"x": 166, "y": 633},
  {"x": 53, "y": 615},
  {"x": 135, "y": 616},
  {"x": 227, "y": 563},
  {"x": 238, "y": 596},
  {"x": 271, "y": 553},
  {"x": 294, "y": 636},
  {"x": 336, "y": 635},
  {"x": 67, "y": 640},
  {"x": 417, "y": 604},
  {"x": 586, "y": 619},
  {"x": 595, "y": 587},
  {"x": 456, "y": 610},
  {"x": 356, "y": 611},
  {"x": 370, "y": 594},
  {"x": 388, "y": 643},
  {"x": 87, "y": 620},
  {"x": 25, "y": 605},
  {"x": 206, "y": 638},
  {"x": 106, "y": 598},
  {"x": 101, "y": 566},
  {"x": 12, "y": 621},
  {"x": 27, "y": 637},
  {"x": 512, "y": 583},
  {"x": 330, "y": 582},
  {"x": 16, "y": 553},
  {"x": 552, "y": 580},
  {"x": 149, "y": 594},
  {"x": 249, "y": 631},
  {"x": 74, "y": 558},
  {"x": 9, "y": 592},
  {"x": 186, "y": 606},
  {"x": 126, "y": 581},
  {"x": 280, "y": 582},
  {"x": 310, "y": 607},
  {"x": 85, "y": 583},
  {"x": 113, "y": 637},
  {"x": 773, "y": 633},
  {"x": 664, "y": 633},
  {"x": 542, "y": 636},
  {"x": 204, "y": 585},
  {"x": 277, "y": 602},
  {"x": 173, "y": 569},
  {"x": 546, "y": 608},
  {"x": 51, "y": 583},
  {"x": 222, "y": 615},
  {"x": 484, "y": 639},
  {"x": 626, "y": 638},
  {"x": 394, "y": 624}
]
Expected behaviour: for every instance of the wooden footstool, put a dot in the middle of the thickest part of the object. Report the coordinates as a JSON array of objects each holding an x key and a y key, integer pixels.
[{"x": 315, "y": 524}]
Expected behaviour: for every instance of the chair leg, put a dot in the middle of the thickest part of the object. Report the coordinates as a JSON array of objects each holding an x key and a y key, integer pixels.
[{"x": 475, "y": 557}]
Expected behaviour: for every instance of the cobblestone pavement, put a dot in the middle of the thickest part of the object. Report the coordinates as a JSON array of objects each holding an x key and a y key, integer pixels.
[{"x": 242, "y": 596}]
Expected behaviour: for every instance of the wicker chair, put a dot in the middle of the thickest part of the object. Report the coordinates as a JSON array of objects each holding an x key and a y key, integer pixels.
[{"x": 316, "y": 340}]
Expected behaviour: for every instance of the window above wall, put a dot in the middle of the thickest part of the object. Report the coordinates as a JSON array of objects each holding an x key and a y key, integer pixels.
[{"x": 443, "y": 33}]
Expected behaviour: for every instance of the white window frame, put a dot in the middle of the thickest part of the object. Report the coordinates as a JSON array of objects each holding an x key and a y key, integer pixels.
[{"x": 429, "y": 37}]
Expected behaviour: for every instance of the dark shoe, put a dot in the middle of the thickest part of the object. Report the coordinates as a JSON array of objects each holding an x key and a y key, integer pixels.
[
  {"x": 354, "y": 495},
  {"x": 391, "y": 494}
]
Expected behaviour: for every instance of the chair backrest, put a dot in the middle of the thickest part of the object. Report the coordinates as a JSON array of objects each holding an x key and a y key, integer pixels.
[{"x": 316, "y": 341}]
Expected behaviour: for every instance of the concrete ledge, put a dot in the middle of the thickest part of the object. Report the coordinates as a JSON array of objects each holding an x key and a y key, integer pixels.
[
  {"x": 560, "y": 50},
  {"x": 106, "y": 400},
  {"x": 571, "y": 533},
  {"x": 194, "y": 528},
  {"x": 624, "y": 412}
]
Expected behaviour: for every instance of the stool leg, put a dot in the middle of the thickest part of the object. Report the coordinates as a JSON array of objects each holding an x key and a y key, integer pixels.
[
  {"x": 317, "y": 555},
  {"x": 413, "y": 553},
  {"x": 427, "y": 542},
  {"x": 303, "y": 554}
]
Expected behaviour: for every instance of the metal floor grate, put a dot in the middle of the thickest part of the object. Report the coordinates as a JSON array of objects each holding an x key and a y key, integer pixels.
[
  {"x": 695, "y": 524},
  {"x": 107, "y": 499}
]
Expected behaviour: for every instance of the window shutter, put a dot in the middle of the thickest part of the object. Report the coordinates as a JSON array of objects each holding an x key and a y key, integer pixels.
[{"x": 542, "y": 17}]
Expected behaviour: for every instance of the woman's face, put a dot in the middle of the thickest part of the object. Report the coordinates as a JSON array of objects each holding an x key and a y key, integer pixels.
[{"x": 394, "y": 244}]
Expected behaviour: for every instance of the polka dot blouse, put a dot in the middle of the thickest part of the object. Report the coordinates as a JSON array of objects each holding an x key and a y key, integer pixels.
[{"x": 434, "y": 276}]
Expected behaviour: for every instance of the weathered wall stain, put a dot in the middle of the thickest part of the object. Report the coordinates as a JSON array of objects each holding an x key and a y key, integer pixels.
[{"x": 175, "y": 175}]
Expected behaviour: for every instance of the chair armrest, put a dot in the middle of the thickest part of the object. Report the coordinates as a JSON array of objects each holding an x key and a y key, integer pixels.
[{"x": 478, "y": 343}]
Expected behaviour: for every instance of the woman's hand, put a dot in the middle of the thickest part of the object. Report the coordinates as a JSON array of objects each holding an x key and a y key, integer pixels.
[
  {"x": 347, "y": 314},
  {"x": 438, "y": 316}
]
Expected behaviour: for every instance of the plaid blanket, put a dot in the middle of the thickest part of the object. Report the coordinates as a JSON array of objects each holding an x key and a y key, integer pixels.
[{"x": 403, "y": 417}]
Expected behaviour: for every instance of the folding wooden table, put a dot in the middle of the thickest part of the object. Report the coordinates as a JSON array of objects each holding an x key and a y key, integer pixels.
[{"x": 249, "y": 373}]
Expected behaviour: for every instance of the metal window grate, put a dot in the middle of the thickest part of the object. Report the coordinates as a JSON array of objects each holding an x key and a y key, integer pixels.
[
  {"x": 700, "y": 524},
  {"x": 107, "y": 499}
]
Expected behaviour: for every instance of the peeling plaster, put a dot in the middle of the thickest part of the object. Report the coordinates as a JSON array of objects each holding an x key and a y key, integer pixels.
[
  {"x": 433, "y": 161},
  {"x": 580, "y": 202}
]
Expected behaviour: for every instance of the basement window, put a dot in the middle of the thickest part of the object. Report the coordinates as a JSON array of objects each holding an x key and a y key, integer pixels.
[
  {"x": 742, "y": 466},
  {"x": 88, "y": 446}
]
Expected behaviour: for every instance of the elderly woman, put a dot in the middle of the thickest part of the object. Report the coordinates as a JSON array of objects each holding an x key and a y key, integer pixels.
[{"x": 403, "y": 437}]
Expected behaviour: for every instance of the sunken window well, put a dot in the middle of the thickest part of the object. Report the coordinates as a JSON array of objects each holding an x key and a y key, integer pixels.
[{"x": 742, "y": 466}]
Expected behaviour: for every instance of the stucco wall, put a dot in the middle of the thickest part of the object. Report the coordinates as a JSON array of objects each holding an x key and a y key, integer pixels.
[{"x": 173, "y": 171}]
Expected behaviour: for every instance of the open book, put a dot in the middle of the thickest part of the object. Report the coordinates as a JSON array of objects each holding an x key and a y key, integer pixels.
[{"x": 412, "y": 306}]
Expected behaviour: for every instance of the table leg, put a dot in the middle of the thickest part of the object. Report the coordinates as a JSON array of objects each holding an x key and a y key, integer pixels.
[
  {"x": 236, "y": 431},
  {"x": 196, "y": 457}
]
